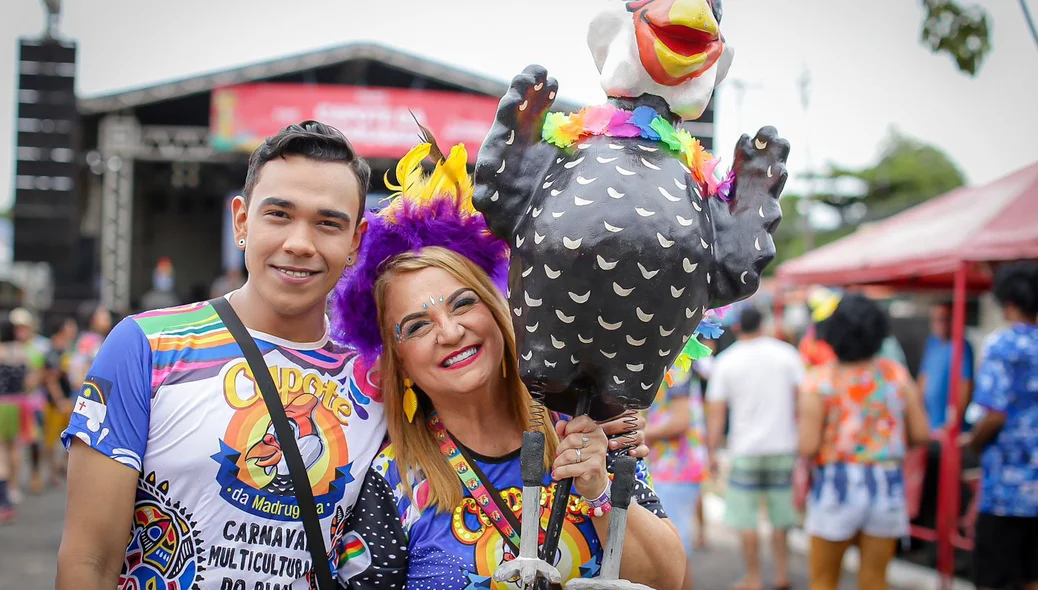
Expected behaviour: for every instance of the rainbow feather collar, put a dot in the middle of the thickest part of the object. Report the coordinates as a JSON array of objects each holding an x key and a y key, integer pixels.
[{"x": 564, "y": 130}]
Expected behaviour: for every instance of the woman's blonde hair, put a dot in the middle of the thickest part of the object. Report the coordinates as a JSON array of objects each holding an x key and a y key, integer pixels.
[{"x": 415, "y": 446}]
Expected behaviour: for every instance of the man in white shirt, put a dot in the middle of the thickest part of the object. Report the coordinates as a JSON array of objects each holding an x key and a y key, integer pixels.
[{"x": 756, "y": 379}]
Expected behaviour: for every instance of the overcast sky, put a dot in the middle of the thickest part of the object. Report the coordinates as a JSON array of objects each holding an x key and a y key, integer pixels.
[{"x": 869, "y": 72}]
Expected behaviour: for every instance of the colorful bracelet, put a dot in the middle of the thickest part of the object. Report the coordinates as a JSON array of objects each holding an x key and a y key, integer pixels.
[{"x": 602, "y": 504}]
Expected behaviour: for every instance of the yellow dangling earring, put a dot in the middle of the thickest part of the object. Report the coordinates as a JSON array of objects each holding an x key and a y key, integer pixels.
[
  {"x": 504, "y": 368},
  {"x": 410, "y": 400}
]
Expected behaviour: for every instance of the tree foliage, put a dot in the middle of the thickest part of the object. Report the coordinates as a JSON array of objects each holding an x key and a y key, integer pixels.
[
  {"x": 908, "y": 172},
  {"x": 961, "y": 32}
]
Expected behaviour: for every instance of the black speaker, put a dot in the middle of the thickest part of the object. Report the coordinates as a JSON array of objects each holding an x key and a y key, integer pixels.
[{"x": 46, "y": 216}]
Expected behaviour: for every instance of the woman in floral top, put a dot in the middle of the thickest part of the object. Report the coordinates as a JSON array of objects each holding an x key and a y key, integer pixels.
[{"x": 857, "y": 416}]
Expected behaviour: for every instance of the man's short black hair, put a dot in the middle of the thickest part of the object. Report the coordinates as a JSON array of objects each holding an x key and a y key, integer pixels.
[
  {"x": 314, "y": 141},
  {"x": 1017, "y": 284},
  {"x": 856, "y": 330},
  {"x": 750, "y": 320}
]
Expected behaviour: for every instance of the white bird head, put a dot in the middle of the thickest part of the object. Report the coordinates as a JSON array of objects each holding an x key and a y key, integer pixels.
[{"x": 668, "y": 48}]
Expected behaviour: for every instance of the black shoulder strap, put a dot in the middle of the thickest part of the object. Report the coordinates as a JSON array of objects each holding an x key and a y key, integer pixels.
[{"x": 286, "y": 438}]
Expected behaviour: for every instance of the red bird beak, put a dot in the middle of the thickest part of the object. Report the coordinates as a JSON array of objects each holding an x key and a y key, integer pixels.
[
  {"x": 267, "y": 452},
  {"x": 677, "y": 39}
]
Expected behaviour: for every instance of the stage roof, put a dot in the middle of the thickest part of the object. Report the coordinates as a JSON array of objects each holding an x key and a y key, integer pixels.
[{"x": 446, "y": 74}]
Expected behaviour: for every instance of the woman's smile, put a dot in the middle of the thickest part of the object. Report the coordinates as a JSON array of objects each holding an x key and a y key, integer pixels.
[{"x": 462, "y": 358}]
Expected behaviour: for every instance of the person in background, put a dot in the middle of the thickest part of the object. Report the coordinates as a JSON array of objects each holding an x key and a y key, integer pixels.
[
  {"x": 934, "y": 380},
  {"x": 856, "y": 417},
  {"x": 33, "y": 401},
  {"x": 1006, "y": 544},
  {"x": 757, "y": 378},
  {"x": 163, "y": 287},
  {"x": 816, "y": 352},
  {"x": 16, "y": 378},
  {"x": 701, "y": 369},
  {"x": 676, "y": 435},
  {"x": 99, "y": 324},
  {"x": 935, "y": 371},
  {"x": 56, "y": 386}
]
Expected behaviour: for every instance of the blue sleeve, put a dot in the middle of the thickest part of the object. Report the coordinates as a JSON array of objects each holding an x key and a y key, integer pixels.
[
  {"x": 112, "y": 412},
  {"x": 994, "y": 383},
  {"x": 967, "y": 361}
]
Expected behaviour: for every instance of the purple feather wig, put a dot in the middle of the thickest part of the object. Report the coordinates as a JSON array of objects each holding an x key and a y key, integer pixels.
[{"x": 411, "y": 227}]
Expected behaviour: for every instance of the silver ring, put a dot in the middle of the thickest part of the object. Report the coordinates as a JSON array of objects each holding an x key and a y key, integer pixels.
[
  {"x": 579, "y": 452},
  {"x": 584, "y": 440}
]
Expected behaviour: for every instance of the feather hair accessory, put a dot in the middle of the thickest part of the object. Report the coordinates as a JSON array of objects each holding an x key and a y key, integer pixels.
[{"x": 425, "y": 210}]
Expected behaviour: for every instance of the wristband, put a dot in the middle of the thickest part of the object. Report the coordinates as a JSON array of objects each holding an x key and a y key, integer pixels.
[{"x": 603, "y": 499}]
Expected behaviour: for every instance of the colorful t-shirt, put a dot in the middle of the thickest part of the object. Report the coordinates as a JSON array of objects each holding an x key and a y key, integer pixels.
[
  {"x": 171, "y": 396},
  {"x": 398, "y": 542},
  {"x": 1008, "y": 382},
  {"x": 683, "y": 459},
  {"x": 864, "y": 411}
]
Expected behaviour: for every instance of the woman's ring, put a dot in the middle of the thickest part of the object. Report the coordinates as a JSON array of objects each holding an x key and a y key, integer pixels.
[
  {"x": 584, "y": 440},
  {"x": 579, "y": 452}
]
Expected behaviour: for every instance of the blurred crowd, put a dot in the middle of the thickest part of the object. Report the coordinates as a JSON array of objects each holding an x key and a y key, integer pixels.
[
  {"x": 825, "y": 433},
  {"x": 41, "y": 367}
]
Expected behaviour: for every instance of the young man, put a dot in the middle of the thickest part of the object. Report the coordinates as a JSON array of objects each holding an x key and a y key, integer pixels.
[
  {"x": 1006, "y": 553},
  {"x": 757, "y": 379},
  {"x": 170, "y": 439}
]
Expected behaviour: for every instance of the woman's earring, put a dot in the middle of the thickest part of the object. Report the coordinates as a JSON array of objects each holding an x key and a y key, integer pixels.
[
  {"x": 504, "y": 368},
  {"x": 410, "y": 400},
  {"x": 349, "y": 261},
  {"x": 241, "y": 243}
]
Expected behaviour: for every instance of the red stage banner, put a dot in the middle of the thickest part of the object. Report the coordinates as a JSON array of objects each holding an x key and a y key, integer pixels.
[{"x": 377, "y": 121}]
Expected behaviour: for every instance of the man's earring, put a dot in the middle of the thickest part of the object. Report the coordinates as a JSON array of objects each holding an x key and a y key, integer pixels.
[{"x": 241, "y": 243}]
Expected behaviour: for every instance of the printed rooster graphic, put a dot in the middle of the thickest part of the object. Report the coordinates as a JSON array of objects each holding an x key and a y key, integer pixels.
[
  {"x": 620, "y": 241},
  {"x": 267, "y": 451}
]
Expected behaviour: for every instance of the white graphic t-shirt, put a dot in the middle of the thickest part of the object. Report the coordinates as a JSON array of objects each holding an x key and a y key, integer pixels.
[{"x": 171, "y": 395}]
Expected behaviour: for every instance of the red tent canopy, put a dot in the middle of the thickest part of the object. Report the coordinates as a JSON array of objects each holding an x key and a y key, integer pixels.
[{"x": 925, "y": 245}]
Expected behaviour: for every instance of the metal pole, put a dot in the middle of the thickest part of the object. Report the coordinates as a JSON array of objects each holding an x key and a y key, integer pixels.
[
  {"x": 951, "y": 455},
  {"x": 805, "y": 99},
  {"x": 1029, "y": 20},
  {"x": 53, "y": 8}
]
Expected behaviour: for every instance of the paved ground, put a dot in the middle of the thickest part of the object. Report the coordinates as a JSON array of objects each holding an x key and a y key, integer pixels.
[
  {"x": 29, "y": 546},
  {"x": 28, "y": 549},
  {"x": 721, "y": 564}
]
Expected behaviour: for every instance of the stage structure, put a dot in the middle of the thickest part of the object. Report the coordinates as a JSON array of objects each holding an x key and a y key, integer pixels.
[{"x": 154, "y": 166}]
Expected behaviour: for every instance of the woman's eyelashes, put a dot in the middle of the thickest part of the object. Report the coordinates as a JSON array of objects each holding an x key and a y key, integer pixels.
[{"x": 421, "y": 327}]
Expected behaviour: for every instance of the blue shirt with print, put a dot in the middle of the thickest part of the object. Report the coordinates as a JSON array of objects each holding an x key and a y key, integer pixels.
[
  {"x": 1008, "y": 383},
  {"x": 936, "y": 366}
]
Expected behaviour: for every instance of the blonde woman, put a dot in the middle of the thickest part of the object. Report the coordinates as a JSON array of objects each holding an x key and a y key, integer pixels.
[{"x": 441, "y": 505}]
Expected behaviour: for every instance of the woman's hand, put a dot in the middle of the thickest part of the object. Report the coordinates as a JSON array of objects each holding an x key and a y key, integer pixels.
[
  {"x": 581, "y": 454},
  {"x": 620, "y": 432}
]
